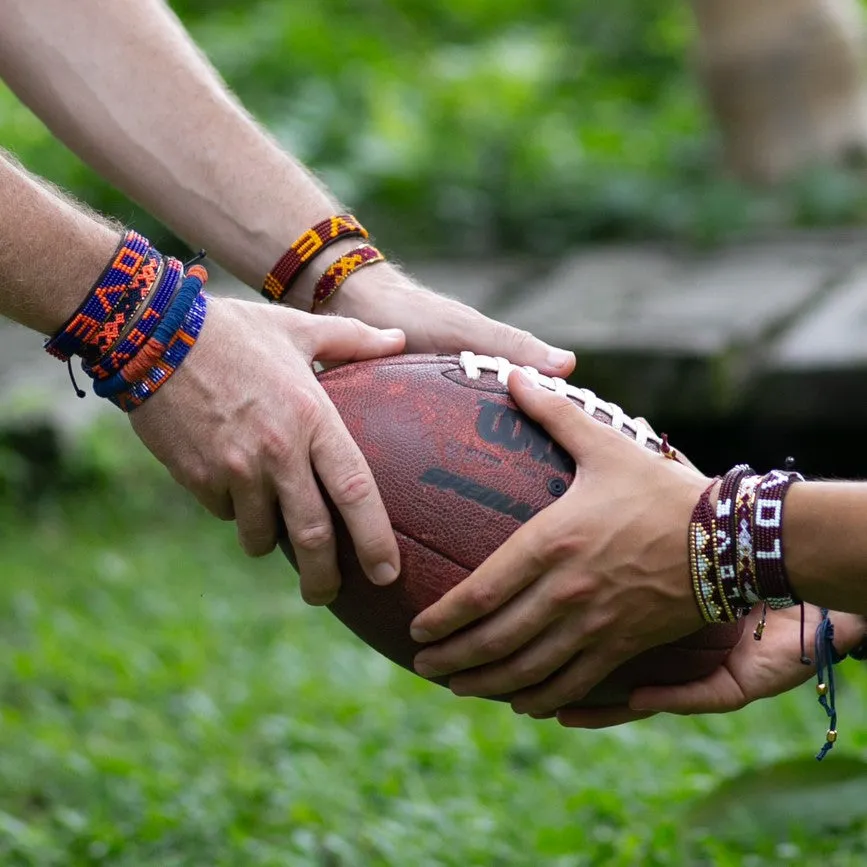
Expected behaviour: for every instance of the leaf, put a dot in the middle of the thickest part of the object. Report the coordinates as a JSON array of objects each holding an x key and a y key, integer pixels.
[{"x": 797, "y": 796}]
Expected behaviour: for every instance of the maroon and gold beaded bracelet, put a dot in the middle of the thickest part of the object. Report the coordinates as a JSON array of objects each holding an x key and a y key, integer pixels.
[
  {"x": 280, "y": 278},
  {"x": 703, "y": 559},
  {"x": 337, "y": 273}
]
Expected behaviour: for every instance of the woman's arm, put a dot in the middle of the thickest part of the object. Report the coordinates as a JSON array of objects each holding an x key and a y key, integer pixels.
[{"x": 825, "y": 543}]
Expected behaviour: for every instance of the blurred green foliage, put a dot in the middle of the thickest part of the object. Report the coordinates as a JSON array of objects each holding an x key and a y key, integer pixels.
[
  {"x": 475, "y": 125},
  {"x": 168, "y": 702}
]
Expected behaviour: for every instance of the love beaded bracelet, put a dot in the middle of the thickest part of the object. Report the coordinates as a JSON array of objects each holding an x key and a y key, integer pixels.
[{"x": 736, "y": 549}]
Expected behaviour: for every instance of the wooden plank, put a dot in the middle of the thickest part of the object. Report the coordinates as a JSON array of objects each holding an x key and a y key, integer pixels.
[{"x": 648, "y": 299}]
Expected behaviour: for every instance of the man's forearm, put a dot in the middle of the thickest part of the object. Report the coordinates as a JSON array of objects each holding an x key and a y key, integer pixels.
[
  {"x": 51, "y": 251},
  {"x": 123, "y": 85}
]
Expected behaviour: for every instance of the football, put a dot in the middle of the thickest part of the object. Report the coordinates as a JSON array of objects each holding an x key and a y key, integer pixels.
[{"x": 460, "y": 468}]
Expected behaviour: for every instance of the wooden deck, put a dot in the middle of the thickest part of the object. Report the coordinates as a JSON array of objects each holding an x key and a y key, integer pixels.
[{"x": 774, "y": 329}]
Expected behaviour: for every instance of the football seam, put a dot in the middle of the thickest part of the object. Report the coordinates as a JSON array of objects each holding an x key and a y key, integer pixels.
[
  {"x": 453, "y": 362},
  {"x": 436, "y": 551}
]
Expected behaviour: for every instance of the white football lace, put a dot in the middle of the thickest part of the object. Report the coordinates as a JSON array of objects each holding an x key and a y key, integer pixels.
[{"x": 473, "y": 365}]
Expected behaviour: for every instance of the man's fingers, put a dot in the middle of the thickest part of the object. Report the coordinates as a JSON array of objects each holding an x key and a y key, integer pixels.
[
  {"x": 485, "y": 336},
  {"x": 347, "y": 478},
  {"x": 507, "y": 571},
  {"x": 333, "y": 338},
  {"x": 311, "y": 534},
  {"x": 497, "y": 637},
  {"x": 599, "y": 717},
  {"x": 256, "y": 514},
  {"x": 219, "y": 504},
  {"x": 718, "y": 693}
]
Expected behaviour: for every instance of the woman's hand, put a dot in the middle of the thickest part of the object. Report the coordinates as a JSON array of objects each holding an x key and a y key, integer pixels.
[
  {"x": 753, "y": 670},
  {"x": 593, "y": 580}
]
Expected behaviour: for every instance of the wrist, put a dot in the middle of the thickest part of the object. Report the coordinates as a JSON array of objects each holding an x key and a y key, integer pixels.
[
  {"x": 797, "y": 548},
  {"x": 374, "y": 296},
  {"x": 301, "y": 294},
  {"x": 850, "y": 634}
]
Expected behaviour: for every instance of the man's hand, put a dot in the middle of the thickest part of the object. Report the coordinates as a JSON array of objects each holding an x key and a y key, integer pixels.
[
  {"x": 593, "y": 580},
  {"x": 384, "y": 297},
  {"x": 753, "y": 670},
  {"x": 247, "y": 428}
]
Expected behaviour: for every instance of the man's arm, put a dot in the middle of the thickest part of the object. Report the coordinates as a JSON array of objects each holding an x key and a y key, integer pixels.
[
  {"x": 51, "y": 250},
  {"x": 243, "y": 423},
  {"x": 123, "y": 85}
]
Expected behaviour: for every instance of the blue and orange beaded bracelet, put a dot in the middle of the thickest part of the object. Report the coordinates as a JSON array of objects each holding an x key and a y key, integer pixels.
[
  {"x": 151, "y": 317},
  {"x": 176, "y": 351},
  {"x": 116, "y": 325},
  {"x": 81, "y": 330},
  {"x": 166, "y": 349}
]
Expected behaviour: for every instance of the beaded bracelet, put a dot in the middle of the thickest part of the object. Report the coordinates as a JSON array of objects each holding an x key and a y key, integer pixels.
[
  {"x": 746, "y": 566},
  {"x": 81, "y": 328},
  {"x": 703, "y": 562},
  {"x": 177, "y": 349},
  {"x": 150, "y": 353},
  {"x": 180, "y": 307},
  {"x": 772, "y": 581},
  {"x": 156, "y": 306},
  {"x": 281, "y": 277},
  {"x": 116, "y": 326},
  {"x": 727, "y": 540},
  {"x": 747, "y": 540},
  {"x": 337, "y": 273}
]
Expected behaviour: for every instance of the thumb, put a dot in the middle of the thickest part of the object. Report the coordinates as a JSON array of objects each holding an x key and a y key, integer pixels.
[
  {"x": 562, "y": 417},
  {"x": 335, "y": 338}
]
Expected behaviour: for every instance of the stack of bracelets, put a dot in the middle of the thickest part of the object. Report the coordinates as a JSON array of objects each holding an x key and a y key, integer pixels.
[
  {"x": 309, "y": 246},
  {"x": 145, "y": 312},
  {"x": 137, "y": 324},
  {"x": 736, "y": 562}
]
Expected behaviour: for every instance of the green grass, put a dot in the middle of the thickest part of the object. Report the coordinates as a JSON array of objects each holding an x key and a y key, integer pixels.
[{"x": 166, "y": 701}]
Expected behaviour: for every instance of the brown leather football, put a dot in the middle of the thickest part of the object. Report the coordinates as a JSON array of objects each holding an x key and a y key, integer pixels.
[{"x": 460, "y": 468}]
